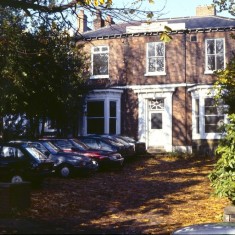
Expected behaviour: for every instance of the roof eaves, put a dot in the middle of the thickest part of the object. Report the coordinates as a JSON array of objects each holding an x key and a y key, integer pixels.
[{"x": 196, "y": 30}]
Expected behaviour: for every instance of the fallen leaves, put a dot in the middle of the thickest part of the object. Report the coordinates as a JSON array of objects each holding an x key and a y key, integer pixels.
[{"x": 153, "y": 195}]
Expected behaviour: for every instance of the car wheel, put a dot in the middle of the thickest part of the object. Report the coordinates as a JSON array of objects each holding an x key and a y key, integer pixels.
[
  {"x": 65, "y": 171},
  {"x": 16, "y": 179}
]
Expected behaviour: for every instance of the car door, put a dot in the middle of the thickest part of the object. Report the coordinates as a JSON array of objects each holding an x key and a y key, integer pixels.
[{"x": 12, "y": 160}]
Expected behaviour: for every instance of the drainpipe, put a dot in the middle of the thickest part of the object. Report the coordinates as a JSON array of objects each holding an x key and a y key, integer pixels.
[{"x": 185, "y": 94}]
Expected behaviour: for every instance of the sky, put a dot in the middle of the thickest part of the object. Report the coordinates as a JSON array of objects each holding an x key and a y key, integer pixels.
[
  {"x": 167, "y": 8},
  {"x": 175, "y": 8}
]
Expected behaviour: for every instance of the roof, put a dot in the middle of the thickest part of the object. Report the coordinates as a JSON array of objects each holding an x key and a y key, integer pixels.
[{"x": 192, "y": 24}]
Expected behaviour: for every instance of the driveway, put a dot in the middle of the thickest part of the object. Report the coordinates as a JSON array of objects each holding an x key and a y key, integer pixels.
[{"x": 151, "y": 195}]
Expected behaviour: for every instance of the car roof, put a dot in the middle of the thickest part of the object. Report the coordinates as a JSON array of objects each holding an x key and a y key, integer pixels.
[{"x": 206, "y": 229}]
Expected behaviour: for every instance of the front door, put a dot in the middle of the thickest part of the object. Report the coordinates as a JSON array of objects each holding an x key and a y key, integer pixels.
[{"x": 156, "y": 123}]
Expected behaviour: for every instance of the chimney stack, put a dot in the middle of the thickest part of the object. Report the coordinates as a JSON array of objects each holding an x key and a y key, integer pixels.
[
  {"x": 207, "y": 10},
  {"x": 98, "y": 21},
  {"x": 109, "y": 20},
  {"x": 82, "y": 22}
]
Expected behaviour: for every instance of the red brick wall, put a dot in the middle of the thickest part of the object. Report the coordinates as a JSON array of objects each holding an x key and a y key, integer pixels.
[{"x": 127, "y": 61}]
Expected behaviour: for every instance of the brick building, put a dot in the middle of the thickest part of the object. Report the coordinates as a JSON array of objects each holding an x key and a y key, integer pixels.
[{"x": 160, "y": 93}]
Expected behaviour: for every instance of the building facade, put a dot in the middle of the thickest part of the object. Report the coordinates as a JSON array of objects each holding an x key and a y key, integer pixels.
[{"x": 159, "y": 92}]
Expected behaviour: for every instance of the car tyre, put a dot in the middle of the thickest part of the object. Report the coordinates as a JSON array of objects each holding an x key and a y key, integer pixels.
[
  {"x": 17, "y": 179},
  {"x": 65, "y": 171}
]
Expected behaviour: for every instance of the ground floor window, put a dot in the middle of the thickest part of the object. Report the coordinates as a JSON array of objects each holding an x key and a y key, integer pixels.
[
  {"x": 103, "y": 113},
  {"x": 208, "y": 116},
  {"x": 95, "y": 117}
]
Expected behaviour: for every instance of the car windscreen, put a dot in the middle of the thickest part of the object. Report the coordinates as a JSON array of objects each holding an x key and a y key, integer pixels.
[
  {"x": 39, "y": 156},
  {"x": 113, "y": 142},
  {"x": 51, "y": 147},
  {"x": 78, "y": 144}
]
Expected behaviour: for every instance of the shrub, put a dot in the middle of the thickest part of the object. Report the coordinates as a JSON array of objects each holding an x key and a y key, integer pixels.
[{"x": 222, "y": 177}]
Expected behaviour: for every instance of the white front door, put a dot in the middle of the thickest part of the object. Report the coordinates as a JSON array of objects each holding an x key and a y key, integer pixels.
[{"x": 156, "y": 134}]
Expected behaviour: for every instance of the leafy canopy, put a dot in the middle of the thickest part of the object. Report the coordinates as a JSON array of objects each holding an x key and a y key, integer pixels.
[{"x": 42, "y": 73}]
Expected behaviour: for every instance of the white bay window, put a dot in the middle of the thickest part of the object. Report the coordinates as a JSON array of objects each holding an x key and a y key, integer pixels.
[{"x": 207, "y": 116}]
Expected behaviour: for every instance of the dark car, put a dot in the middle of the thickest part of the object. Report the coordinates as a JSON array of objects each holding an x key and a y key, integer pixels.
[
  {"x": 21, "y": 162},
  {"x": 129, "y": 148},
  {"x": 104, "y": 143},
  {"x": 106, "y": 159},
  {"x": 140, "y": 147},
  {"x": 65, "y": 164}
]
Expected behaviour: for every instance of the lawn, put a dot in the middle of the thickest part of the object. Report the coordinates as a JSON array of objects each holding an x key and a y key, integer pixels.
[{"x": 152, "y": 195}]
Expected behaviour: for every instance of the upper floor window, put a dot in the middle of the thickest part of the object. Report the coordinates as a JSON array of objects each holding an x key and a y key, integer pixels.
[
  {"x": 155, "y": 58},
  {"x": 100, "y": 60},
  {"x": 215, "y": 54}
]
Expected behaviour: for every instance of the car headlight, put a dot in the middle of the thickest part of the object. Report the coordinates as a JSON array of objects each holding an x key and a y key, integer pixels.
[
  {"x": 115, "y": 156},
  {"x": 95, "y": 163}
]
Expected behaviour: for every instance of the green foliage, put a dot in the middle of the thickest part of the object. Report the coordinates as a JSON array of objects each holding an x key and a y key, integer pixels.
[
  {"x": 222, "y": 176},
  {"x": 43, "y": 72},
  {"x": 225, "y": 85}
]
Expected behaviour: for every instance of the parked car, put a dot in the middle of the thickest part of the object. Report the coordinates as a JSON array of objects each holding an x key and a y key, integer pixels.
[
  {"x": 106, "y": 159},
  {"x": 107, "y": 143},
  {"x": 140, "y": 147},
  {"x": 129, "y": 147},
  {"x": 102, "y": 143},
  {"x": 22, "y": 162},
  {"x": 65, "y": 164},
  {"x": 206, "y": 229}
]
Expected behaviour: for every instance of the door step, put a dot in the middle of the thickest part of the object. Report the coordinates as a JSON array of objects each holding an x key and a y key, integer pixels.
[{"x": 158, "y": 150}]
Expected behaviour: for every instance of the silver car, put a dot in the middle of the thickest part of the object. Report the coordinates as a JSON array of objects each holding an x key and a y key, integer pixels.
[{"x": 207, "y": 228}]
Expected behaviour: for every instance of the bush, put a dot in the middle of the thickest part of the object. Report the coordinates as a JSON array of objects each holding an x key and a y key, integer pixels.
[{"x": 222, "y": 177}]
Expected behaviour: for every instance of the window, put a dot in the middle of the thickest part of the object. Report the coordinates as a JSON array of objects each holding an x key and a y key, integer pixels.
[
  {"x": 208, "y": 116},
  {"x": 156, "y": 105},
  {"x": 100, "y": 59},
  {"x": 97, "y": 121},
  {"x": 214, "y": 117},
  {"x": 155, "y": 58},
  {"x": 193, "y": 38},
  {"x": 95, "y": 117},
  {"x": 215, "y": 54},
  {"x": 112, "y": 117},
  {"x": 102, "y": 112},
  {"x": 197, "y": 115}
]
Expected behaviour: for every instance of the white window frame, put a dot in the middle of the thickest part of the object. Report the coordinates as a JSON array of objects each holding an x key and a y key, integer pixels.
[
  {"x": 208, "y": 71},
  {"x": 201, "y": 93},
  {"x": 93, "y": 52},
  {"x": 148, "y": 73},
  {"x": 106, "y": 96}
]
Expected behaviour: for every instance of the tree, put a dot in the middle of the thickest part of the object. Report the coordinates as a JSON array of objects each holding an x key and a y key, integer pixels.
[
  {"x": 66, "y": 11},
  {"x": 42, "y": 73},
  {"x": 71, "y": 7},
  {"x": 222, "y": 176},
  {"x": 225, "y": 5}
]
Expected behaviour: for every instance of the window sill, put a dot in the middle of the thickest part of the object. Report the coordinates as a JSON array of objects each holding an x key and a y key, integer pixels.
[
  {"x": 99, "y": 77},
  {"x": 155, "y": 74},
  {"x": 207, "y": 136},
  {"x": 208, "y": 72}
]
